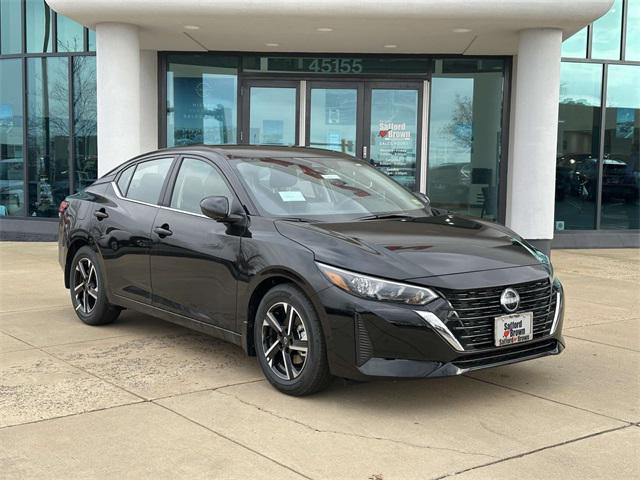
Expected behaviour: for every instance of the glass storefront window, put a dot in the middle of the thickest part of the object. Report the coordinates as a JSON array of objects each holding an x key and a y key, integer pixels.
[
  {"x": 39, "y": 26},
  {"x": 85, "y": 121},
  {"x": 621, "y": 167},
  {"x": 607, "y": 31},
  {"x": 202, "y": 105},
  {"x": 92, "y": 40},
  {"x": 632, "y": 49},
  {"x": 576, "y": 46},
  {"x": 11, "y": 148},
  {"x": 10, "y": 26},
  {"x": 47, "y": 134},
  {"x": 70, "y": 35},
  {"x": 465, "y": 135},
  {"x": 578, "y": 146}
]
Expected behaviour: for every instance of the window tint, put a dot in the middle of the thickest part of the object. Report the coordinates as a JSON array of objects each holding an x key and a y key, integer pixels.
[
  {"x": 148, "y": 179},
  {"x": 196, "y": 180},
  {"x": 125, "y": 178}
]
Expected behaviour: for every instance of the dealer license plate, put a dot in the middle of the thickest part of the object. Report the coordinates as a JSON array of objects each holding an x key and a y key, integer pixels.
[{"x": 515, "y": 328}]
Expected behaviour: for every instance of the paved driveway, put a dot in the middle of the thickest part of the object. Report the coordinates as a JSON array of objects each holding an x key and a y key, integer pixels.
[{"x": 146, "y": 399}]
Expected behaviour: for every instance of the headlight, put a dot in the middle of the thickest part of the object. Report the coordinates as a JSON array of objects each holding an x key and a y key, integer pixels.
[
  {"x": 375, "y": 288},
  {"x": 545, "y": 260}
]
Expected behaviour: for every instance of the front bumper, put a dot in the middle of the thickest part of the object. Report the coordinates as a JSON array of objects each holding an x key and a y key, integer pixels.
[{"x": 368, "y": 339}]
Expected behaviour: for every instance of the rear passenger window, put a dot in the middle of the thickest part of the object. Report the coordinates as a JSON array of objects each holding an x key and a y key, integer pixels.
[
  {"x": 196, "y": 180},
  {"x": 148, "y": 179},
  {"x": 125, "y": 178}
]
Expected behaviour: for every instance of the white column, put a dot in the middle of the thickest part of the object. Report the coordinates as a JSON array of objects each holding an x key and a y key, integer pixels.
[
  {"x": 118, "y": 91},
  {"x": 148, "y": 100},
  {"x": 534, "y": 129}
]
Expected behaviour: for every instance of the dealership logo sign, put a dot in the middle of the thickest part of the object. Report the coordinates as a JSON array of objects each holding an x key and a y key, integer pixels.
[
  {"x": 510, "y": 300},
  {"x": 394, "y": 131}
]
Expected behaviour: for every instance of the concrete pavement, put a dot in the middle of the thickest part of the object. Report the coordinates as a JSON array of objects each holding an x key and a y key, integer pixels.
[{"x": 142, "y": 398}]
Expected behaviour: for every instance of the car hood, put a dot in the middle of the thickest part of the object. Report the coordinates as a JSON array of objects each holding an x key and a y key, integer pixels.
[{"x": 403, "y": 249}]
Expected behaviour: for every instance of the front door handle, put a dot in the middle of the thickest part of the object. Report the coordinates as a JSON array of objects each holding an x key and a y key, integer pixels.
[
  {"x": 100, "y": 214},
  {"x": 163, "y": 231}
]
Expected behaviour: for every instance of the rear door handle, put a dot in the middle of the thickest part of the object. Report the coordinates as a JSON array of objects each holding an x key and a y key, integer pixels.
[
  {"x": 163, "y": 231},
  {"x": 100, "y": 214}
]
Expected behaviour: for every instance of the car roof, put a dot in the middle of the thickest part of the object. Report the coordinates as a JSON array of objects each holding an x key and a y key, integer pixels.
[
  {"x": 253, "y": 151},
  {"x": 237, "y": 151}
]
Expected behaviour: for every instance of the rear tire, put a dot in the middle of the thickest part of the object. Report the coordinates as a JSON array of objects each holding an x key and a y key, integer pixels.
[
  {"x": 88, "y": 289},
  {"x": 289, "y": 342}
]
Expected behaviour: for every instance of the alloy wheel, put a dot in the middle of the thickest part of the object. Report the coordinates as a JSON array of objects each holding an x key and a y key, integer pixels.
[
  {"x": 284, "y": 341},
  {"x": 85, "y": 286}
]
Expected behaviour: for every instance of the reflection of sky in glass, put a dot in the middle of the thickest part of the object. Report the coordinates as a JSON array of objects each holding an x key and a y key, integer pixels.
[
  {"x": 10, "y": 26},
  {"x": 37, "y": 27},
  {"x": 580, "y": 83},
  {"x": 576, "y": 46},
  {"x": 623, "y": 86},
  {"x": 606, "y": 33},
  {"x": 633, "y": 31}
]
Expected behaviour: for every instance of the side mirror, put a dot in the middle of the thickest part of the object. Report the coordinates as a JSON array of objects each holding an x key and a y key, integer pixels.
[
  {"x": 218, "y": 208},
  {"x": 423, "y": 198}
]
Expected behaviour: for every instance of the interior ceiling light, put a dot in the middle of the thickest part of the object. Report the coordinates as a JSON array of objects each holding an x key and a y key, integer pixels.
[
  {"x": 272, "y": 44},
  {"x": 324, "y": 29},
  {"x": 461, "y": 30},
  {"x": 191, "y": 27},
  {"x": 390, "y": 45}
]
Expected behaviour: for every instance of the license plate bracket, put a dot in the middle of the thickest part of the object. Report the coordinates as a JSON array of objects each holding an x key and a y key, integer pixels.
[{"x": 513, "y": 328}]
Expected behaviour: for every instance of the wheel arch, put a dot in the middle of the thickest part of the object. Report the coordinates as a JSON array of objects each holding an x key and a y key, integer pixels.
[
  {"x": 75, "y": 244},
  {"x": 258, "y": 289}
]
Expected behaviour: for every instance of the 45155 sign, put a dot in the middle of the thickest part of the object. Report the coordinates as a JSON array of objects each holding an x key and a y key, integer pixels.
[{"x": 333, "y": 65}]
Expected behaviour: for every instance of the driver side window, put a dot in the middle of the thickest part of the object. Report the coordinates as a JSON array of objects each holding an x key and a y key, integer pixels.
[{"x": 196, "y": 180}]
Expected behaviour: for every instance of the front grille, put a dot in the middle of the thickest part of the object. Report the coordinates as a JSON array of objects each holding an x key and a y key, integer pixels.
[{"x": 475, "y": 311}]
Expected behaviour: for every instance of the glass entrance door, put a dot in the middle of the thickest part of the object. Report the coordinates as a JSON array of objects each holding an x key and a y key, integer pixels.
[
  {"x": 334, "y": 116},
  {"x": 380, "y": 122},
  {"x": 393, "y": 126},
  {"x": 271, "y": 112}
]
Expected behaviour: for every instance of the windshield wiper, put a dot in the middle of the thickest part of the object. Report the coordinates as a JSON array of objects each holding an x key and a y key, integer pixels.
[
  {"x": 297, "y": 219},
  {"x": 381, "y": 216}
]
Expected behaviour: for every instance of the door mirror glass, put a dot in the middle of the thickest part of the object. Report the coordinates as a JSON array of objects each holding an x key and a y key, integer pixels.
[{"x": 215, "y": 207}]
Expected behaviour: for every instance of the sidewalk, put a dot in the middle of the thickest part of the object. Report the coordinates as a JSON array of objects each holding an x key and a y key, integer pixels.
[{"x": 142, "y": 398}]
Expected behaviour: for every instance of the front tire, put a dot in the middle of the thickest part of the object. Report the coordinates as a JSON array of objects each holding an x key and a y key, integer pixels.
[
  {"x": 88, "y": 289},
  {"x": 289, "y": 342}
]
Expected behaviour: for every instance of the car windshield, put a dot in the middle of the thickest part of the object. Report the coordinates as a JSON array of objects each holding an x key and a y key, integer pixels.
[{"x": 322, "y": 187}]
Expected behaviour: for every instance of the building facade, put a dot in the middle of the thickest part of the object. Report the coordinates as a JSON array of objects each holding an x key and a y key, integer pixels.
[{"x": 455, "y": 99}]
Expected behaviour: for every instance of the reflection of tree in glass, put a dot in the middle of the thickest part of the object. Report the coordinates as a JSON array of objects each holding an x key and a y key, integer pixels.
[
  {"x": 84, "y": 120},
  {"x": 460, "y": 127},
  {"x": 75, "y": 44},
  {"x": 50, "y": 126}
]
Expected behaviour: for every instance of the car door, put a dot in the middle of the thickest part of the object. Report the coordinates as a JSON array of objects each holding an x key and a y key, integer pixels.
[
  {"x": 194, "y": 258},
  {"x": 124, "y": 219}
]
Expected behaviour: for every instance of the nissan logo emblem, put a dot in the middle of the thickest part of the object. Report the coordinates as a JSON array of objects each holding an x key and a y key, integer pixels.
[{"x": 510, "y": 300}]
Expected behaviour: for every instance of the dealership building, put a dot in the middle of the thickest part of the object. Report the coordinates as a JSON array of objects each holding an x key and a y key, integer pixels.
[{"x": 522, "y": 112}]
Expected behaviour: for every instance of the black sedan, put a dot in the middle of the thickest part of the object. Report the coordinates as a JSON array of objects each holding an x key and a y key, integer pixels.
[{"x": 314, "y": 262}]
